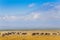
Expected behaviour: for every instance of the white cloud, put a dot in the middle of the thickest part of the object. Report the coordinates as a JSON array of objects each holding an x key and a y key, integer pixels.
[
  {"x": 0, "y": 18},
  {"x": 52, "y": 12},
  {"x": 44, "y": 18},
  {"x": 31, "y": 16},
  {"x": 56, "y": 11},
  {"x": 47, "y": 4},
  {"x": 35, "y": 15},
  {"x": 9, "y": 18},
  {"x": 38, "y": 14},
  {"x": 31, "y": 5}
]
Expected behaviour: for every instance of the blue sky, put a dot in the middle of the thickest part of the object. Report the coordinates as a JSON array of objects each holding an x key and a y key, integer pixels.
[{"x": 29, "y": 14}]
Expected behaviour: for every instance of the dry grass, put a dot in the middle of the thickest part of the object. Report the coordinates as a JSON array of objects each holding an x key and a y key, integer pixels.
[{"x": 29, "y": 36}]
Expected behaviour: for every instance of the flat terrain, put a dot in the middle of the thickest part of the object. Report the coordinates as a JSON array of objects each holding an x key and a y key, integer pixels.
[{"x": 30, "y": 35}]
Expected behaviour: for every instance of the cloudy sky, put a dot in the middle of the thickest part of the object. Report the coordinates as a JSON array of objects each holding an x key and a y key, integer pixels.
[{"x": 29, "y": 14}]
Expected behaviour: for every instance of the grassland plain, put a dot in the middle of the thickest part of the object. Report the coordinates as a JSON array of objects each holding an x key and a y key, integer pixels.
[{"x": 30, "y": 35}]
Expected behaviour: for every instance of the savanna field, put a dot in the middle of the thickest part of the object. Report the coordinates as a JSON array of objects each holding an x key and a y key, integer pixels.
[{"x": 30, "y": 35}]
